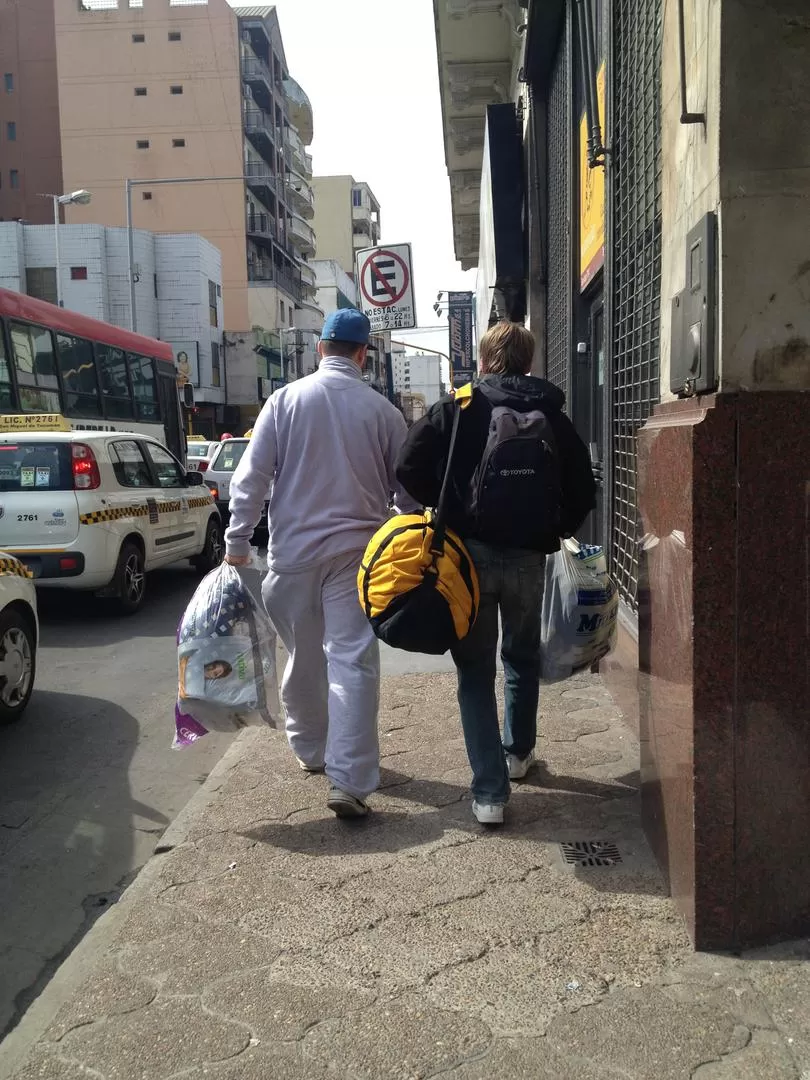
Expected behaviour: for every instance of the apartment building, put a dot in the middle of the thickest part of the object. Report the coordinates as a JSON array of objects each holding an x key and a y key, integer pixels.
[
  {"x": 167, "y": 89},
  {"x": 30, "y": 158},
  {"x": 419, "y": 375},
  {"x": 347, "y": 218}
]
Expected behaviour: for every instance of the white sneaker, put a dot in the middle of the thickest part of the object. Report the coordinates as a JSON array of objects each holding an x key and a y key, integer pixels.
[
  {"x": 488, "y": 813},
  {"x": 518, "y": 767},
  {"x": 304, "y": 767}
]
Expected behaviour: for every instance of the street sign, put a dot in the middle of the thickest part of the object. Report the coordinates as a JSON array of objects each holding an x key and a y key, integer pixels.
[
  {"x": 385, "y": 278},
  {"x": 460, "y": 320}
]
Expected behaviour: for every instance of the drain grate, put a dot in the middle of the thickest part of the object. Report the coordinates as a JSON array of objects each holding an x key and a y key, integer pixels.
[{"x": 591, "y": 853}]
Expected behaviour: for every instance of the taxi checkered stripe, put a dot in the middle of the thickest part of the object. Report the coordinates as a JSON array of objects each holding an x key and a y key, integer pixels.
[
  {"x": 196, "y": 503},
  {"x": 14, "y": 566},
  {"x": 114, "y": 513}
]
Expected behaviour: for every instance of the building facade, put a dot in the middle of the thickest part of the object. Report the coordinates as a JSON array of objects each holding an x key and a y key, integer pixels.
[
  {"x": 30, "y": 159},
  {"x": 418, "y": 375},
  {"x": 184, "y": 304},
  {"x": 347, "y": 218},
  {"x": 608, "y": 183}
]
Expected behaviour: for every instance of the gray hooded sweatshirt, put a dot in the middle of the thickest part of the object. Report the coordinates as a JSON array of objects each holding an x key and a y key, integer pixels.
[{"x": 325, "y": 448}]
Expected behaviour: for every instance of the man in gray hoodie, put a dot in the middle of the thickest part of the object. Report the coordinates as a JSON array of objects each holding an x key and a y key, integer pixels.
[{"x": 325, "y": 447}]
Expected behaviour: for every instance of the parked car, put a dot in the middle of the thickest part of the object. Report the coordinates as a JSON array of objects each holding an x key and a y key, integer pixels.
[
  {"x": 97, "y": 510},
  {"x": 199, "y": 454},
  {"x": 19, "y": 634}
]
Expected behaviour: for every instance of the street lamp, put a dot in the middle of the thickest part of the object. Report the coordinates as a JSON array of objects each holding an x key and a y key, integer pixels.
[{"x": 75, "y": 198}]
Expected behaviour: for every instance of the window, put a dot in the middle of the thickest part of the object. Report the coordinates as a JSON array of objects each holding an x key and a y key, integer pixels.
[
  {"x": 177, "y": 143},
  {"x": 140, "y": 91},
  {"x": 357, "y": 197},
  {"x": 229, "y": 456},
  {"x": 78, "y": 372},
  {"x": 175, "y": 35},
  {"x": 212, "y": 304},
  {"x": 129, "y": 464},
  {"x": 8, "y": 79},
  {"x": 78, "y": 273},
  {"x": 112, "y": 373},
  {"x": 40, "y": 282},
  {"x": 14, "y": 177},
  {"x": 156, "y": 288},
  {"x": 219, "y": 290},
  {"x": 176, "y": 90},
  {"x": 142, "y": 144},
  {"x": 215, "y": 373},
  {"x": 11, "y": 131},
  {"x": 5, "y": 375},
  {"x": 138, "y": 39},
  {"x": 169, "y": 473},
  {"x": 147, "y": 196},
  {"x": 36, "y": 368},
  {"x": 44, "y": 466},
  {"x": 283, "y": 311},
  {"x": 144, "y": 387}
]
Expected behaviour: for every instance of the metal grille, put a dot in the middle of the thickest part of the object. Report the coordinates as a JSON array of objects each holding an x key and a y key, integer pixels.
[
  {"x": 636, "y": 256},
  {"x": 558, "y": 152},
  {"x": 591, "y": 853}
]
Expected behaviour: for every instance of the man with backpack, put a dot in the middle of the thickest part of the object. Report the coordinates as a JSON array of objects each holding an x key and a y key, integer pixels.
[{"x": 521, "y": 479}]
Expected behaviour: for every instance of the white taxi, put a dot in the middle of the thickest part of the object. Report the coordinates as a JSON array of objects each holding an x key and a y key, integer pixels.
[
  {"x": 98, "y": 510},
  {"x": 19, "y": 633}
]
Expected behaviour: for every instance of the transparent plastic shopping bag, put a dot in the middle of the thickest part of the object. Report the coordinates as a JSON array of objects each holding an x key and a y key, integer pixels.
[
  {"x": 580, "y": 607},
  {"x": 225, "y": 660}
]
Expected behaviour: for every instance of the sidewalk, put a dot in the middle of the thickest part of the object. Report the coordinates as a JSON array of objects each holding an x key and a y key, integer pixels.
[{"x": 272, "y": 941}]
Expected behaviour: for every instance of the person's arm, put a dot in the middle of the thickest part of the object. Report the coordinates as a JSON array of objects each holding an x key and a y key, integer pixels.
[
  {"x": 397, "y": 434},
  {"x": 578, "y": 484},
  {"x": 422, "y": 460},
  {"x": 251, "y": 482}
]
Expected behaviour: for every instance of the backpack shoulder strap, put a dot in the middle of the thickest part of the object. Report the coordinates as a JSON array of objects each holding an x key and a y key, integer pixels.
[{"x": 462, "y": 399}]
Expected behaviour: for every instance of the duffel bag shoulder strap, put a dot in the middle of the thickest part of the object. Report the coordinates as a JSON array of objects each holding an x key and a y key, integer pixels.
[{"x": 462, "y": 399}]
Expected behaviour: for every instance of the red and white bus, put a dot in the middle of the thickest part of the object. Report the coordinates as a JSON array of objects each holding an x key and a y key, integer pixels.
[{"x": 97, "y": 376}]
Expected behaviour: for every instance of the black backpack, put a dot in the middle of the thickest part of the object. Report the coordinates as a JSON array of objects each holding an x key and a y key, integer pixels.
[{"x": 515, "y": 496}]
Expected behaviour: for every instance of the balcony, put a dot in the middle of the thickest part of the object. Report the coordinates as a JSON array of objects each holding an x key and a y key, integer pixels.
[
  {"x": 262, "y": 227},
  {"x": 300, "y": 110},
  {"x": 307, "y": 275},
  {"x": 258, "y": 77},
  {"x": 259, "y": 129},
  {"x": 301, "y": 235},
  {"x": 301, "y": 161},
  {"x": 300, "y": 195},
  {"x": 266, "y": 274},
  {"x": 261, "y": 180}
]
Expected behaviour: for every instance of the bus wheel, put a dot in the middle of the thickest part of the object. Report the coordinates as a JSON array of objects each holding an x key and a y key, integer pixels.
[
  {"x": 213, "y": 551},
  {"x": 130, "y": 579}
]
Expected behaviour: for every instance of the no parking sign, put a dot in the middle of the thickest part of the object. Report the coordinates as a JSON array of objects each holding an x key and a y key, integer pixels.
[{"x": 385, "y": 278}]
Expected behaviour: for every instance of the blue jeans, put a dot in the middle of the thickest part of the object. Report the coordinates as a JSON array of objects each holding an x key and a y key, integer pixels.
[{"x": 511, "y": 582}]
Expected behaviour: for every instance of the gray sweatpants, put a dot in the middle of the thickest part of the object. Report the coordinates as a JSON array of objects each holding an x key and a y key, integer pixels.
[{"x": 331, "y": 686}]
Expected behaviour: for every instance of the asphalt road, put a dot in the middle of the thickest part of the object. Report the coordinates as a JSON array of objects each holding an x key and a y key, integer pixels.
[{"x": 87, "y": 780}]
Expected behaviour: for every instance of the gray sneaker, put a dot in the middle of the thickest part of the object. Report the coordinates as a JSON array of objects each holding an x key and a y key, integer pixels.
[{"x": 344, "y": 805}]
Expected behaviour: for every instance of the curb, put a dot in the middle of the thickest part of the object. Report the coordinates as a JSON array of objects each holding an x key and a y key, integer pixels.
[{"x": 78, "y": 966}]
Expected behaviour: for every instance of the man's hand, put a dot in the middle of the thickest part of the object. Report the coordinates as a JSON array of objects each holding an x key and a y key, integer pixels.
[{"x": 237, "y": 560}]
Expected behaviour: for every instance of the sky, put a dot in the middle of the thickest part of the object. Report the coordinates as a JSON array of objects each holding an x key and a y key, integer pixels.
[{"x": 369, "y": 68}]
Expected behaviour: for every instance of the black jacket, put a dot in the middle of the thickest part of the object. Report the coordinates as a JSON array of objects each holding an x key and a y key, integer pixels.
[{"x": 423, "y": 458}]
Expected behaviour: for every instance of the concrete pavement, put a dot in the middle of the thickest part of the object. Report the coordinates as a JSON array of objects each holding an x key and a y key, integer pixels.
[{"x": 268, "y": 940}]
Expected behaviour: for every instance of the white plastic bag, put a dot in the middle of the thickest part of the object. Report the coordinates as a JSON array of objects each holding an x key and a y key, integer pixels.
[
  {"x": 225, "y": 660},
  {"x": 580, "y": 606}
]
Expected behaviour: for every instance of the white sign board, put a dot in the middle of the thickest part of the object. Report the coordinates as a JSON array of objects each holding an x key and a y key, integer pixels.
[{"x": 385, "y": 280}]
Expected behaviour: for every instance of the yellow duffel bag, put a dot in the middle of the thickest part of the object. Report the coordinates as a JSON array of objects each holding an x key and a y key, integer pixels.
[{"x": 417, "y": 582}]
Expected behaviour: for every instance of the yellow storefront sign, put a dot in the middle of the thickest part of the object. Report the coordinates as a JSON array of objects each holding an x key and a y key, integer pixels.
[
  {"x": 33, "y": 422},
  {"x": 591, "y": 198}
]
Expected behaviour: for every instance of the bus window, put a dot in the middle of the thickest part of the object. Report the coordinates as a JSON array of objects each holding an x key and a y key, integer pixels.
[
  {"x": 36, "y": 368},
  {"x": 79, "y": 386},
  {"x": 112, "y": 370},
  {"x": 6, "y": 397},
  {"x": 144, "y": 387}
]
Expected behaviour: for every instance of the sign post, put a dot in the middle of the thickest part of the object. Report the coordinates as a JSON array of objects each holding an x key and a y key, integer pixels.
[
  {"x": 385, "y": 279},
  {"x": 460, "y": 322}
]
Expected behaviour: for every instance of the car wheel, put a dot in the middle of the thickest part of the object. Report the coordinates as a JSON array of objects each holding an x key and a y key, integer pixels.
[
  {"x": 18, "y": 662},
  {"x": 213, "y": 551},
  {"x": 130, "y": 579}
]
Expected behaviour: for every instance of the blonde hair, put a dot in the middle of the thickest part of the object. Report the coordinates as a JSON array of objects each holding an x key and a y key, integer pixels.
[{"x": 507, "y": 348}]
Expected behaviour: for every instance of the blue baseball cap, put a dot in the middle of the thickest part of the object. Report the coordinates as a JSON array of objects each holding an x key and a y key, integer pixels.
[{"x": 347, "y": 324}]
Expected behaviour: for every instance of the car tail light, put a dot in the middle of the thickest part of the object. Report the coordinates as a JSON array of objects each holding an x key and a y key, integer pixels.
[
  {"x": 203, "y": 465},
  {"x": 214, "y": 490},
  {"x": 85, "y": 468},
  {"x": 67, "y": 563}
]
